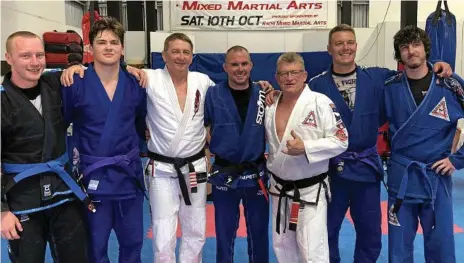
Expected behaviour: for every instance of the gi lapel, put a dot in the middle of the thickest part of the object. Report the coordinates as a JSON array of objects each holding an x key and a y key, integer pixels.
[
  {"x": 338, "y": 99},
  {"x": 112, "y": 117},
  {"x": 255, "y": 105},
  {"x": 292, "y": 120},
  {"x": 415, "y": 112},
  {"x": 226, "y": 95},
  {"x": 183, "y": 118}
]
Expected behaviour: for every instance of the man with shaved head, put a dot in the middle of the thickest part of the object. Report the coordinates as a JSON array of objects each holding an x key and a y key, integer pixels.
[{"x": 39, "y": 198}]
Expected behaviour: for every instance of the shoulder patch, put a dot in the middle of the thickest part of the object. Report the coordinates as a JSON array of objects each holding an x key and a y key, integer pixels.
[
  {"x": 2, "y": 88},
  {"x": 395, "y": 78},
  {"x": 455, "y": 86}
]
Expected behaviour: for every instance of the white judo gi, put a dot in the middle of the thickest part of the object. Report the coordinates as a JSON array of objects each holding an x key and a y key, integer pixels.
[
  {"x": 316, "y": 121},
  {"x": 174, "y": 133}
]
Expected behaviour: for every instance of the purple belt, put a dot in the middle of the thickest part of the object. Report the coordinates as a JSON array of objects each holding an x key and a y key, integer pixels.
[
  {"x": 357, "y": 156},
  {"x": 123, "y": 161}
]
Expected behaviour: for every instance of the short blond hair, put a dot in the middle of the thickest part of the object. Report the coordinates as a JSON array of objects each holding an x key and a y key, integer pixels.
[
  {"x": 177, "y": 36},
  {"x": 290, "y": 57},
  {"x": 27, "y": 34},
  {"x": 341, "y": 28}
]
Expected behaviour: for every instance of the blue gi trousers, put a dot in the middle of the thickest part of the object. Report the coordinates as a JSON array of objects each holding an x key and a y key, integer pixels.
[
  {"x": 227, "y": 215},
  {"x": 437, "y": 225},
  {"x": 126, "y": 218},
  {"x": 363, "y": 198}
]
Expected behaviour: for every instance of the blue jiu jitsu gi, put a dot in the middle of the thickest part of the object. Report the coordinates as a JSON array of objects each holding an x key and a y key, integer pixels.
[
  {"x": 239, "y": 165},
  {"x": 441, "y": 29},
  {"x": 356, "y": 174},
  {"x": 107, "y": 139},
  {"x": 420, "y": 136}
]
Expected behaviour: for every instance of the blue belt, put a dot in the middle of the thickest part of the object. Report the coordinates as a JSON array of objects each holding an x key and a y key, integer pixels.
[
  {"x": 122, "y": 161},
  {"x": 404, "y": 180},
  {"x": 57, "y": 166}
]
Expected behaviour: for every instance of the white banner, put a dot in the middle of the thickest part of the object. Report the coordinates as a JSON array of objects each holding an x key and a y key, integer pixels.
[{"x": 248, "y": 15}]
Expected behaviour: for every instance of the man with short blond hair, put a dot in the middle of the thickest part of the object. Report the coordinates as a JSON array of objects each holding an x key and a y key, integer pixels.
[
  {"x": 39, "y": 198},
  {"x": 304, "y": 130}
]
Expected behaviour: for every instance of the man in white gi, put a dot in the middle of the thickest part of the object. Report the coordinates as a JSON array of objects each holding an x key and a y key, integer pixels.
[
  {"x": 176, "y": 148},
  {"x": 304, "y": 130}
]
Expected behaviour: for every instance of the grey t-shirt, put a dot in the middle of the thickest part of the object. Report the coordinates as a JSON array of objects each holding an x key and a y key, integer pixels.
[{"x": 346, "y": 84}]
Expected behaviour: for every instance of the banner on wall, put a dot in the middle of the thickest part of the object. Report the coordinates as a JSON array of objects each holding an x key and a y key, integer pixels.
[{"x": 248, "y": 15}]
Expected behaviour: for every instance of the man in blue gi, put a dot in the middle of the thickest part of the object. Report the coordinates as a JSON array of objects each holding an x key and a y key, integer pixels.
[
  {"x": 356, "y": 174},
  {"x": 234, "y": 113},
  {"x": 422, "y": 109},
  {"x": 107, "y": 108}
]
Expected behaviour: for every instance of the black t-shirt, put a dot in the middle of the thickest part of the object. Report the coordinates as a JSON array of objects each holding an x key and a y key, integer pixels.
[
  {"x": 31, "y": 93},
  {"x": 241, "y": 98},
  {"x": 419, "y": 87}
]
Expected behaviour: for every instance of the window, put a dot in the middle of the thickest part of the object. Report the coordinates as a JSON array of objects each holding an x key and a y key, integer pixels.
[
  {"x": 359, "y": 13},
  {"x": 74, "y": 10}
]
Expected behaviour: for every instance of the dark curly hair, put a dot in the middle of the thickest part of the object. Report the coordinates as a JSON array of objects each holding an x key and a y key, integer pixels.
[
  {"x": 107, "y": 23},
  {"x": 408, "y": 35}
]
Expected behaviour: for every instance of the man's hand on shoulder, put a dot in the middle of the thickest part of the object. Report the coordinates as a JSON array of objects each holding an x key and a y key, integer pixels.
[
  {"x": 443, "y": 69},
  {"x": 67, "y": 77},
  {"x": 139, "y": 74},
  {"x": 10, "y": 224}
]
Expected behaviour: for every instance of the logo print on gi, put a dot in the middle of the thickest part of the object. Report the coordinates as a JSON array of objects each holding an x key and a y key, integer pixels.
[
  {"x": 341, "y": 135},
  {"x": 196, "y": 106},
  {"x": 441, "y": 110},
  {"x": 338, "y": 117},
  {"x": 310, "y": 120},
  {"x": 261, "y": 107}
]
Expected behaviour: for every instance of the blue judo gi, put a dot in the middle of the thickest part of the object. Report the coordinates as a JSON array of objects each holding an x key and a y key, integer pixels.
[
  {"x": 107, "y": 134},
  {"x": 356, "y": 174},
  {"x": 236, "y": 143},
  {"x": 420, "y": 136}
]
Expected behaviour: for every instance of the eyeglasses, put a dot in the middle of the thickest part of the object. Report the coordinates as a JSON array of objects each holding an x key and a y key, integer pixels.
[{"x": 293, "y": 73}]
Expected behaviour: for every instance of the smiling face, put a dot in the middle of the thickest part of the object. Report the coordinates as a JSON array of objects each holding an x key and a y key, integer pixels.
[
  {"x": 107, "y": 48},
  {"x": 178, "y": 55},
  {"x": 238, "y": 66},
  {"x": 343, "y": 47},
  {"x": 26, "y": 56}
]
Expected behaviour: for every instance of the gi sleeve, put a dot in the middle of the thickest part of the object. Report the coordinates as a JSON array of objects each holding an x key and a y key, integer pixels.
[
  {"x": 456, "y": 83},
  {"x": 141, "y": 113},
  {"x": 208, "y": 107},
  {"x": 68, "y": 97},
  {"x": 335, "y": 140}
]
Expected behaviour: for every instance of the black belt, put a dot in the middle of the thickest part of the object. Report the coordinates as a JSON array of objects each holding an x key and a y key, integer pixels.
[
  {"x": 234, "y": 170},
  {"x": 297, "y": 202},
  {"x": 178, "y": 163}
]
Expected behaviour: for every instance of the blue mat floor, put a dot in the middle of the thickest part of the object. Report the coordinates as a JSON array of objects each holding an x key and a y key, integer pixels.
[{"x": 347, "y": 237}]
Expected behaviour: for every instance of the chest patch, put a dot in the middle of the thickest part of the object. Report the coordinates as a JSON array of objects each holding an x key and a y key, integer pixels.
[
  {"x": 441, "y": 110},
  {"x": 310, "y": 120}
]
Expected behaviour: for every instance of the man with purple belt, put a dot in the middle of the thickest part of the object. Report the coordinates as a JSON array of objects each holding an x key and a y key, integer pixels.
[
  {"x": 355, "y": 175},
  {"x": 107, "y": 108}
]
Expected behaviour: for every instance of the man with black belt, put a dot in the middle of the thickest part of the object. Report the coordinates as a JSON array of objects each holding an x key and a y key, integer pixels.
[
  {"x": 175, "y": 149},
  {"x": 39, "y": 203},
  {"x": 234, "y": 112},
  {"x": 304, "y": 130}
]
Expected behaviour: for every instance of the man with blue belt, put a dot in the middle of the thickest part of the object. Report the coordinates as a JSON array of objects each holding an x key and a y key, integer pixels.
[
  {"x": 107, "y": 108},
  {"x": 355, "y": 174},
  {"x": 234, "y": 113},
  {"x": 40, "y": 200},
  {"x": 422, "y": 109}
]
